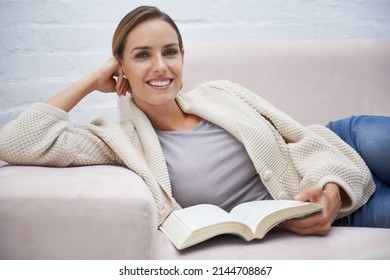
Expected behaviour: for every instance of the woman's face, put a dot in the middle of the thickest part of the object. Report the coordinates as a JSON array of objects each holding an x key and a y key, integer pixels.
[{"x": 153, "y": 62}]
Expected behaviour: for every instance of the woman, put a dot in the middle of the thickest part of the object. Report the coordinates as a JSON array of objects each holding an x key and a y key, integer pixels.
[{"x": 219, "y": 134}]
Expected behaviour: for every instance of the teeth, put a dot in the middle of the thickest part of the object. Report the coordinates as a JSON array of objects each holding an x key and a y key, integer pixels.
[{"x": 159, "y": 83}]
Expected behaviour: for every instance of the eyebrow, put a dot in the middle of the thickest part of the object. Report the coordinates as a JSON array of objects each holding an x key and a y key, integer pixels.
[{"x": 148, "y": 48}]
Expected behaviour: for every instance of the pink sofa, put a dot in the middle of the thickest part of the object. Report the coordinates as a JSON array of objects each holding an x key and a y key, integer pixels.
[{"x": 107, "y": 212}]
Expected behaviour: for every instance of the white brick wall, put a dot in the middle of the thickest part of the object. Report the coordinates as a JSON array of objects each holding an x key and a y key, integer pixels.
[{"x": 47, "y": 44}]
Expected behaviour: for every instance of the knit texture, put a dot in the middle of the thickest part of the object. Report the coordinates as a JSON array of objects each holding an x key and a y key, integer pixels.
[{"x": 288, "y": 156}]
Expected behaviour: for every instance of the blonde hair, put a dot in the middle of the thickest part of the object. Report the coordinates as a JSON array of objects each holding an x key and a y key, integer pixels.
[{"x": 132, "y": 19}]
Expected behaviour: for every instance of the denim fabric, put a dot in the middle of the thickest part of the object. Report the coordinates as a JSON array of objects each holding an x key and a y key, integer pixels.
[{"x": 370, "y": 137}]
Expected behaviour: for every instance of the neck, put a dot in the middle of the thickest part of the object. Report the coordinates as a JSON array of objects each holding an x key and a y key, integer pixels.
[{"x": 171, "y": 118}]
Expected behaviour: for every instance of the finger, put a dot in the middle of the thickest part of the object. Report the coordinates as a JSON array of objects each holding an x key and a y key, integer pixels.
[
  {"x": 119, "y": 82},
  {"x": 314, "y": 230},
  {"x": 305, "y": 222},
  {"x": 111, "y": 85},
  {"x": 123, "y": 88},
  {"x": 312, "y": 194},
  {"x": 317, "y": 223},
  {"x": 317, "y": 229}
]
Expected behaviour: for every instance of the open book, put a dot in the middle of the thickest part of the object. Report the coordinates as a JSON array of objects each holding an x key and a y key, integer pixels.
[{"x": 250, "y": 220}]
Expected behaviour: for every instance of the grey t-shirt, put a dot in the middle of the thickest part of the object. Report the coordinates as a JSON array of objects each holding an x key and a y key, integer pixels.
[{"x": 208, "y": 165}]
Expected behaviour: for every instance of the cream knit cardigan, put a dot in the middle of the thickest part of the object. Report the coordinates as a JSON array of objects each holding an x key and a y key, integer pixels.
[{"x": 288, "y": 156}]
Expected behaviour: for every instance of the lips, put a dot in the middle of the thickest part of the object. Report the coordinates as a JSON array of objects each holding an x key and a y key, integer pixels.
[{"x": 160, "y": 83}]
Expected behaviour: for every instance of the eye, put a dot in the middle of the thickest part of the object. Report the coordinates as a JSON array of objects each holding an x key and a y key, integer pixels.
[
  {"x": 142, "y": 54},
  {"x": 170, "y": 52}
]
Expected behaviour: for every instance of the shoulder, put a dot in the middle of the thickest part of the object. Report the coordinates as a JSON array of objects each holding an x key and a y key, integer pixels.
[
  {"x": 110, "y": 125},
  {"x": 218, "y": 87},
  {"x": 228, "y": 88},
  {"x": 220, "y": 84}
]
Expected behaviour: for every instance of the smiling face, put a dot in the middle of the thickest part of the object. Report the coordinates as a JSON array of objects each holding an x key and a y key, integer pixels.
[{"x": 153, "y": 62}]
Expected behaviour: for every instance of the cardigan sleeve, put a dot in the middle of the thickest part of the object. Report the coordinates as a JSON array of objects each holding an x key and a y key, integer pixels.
[
  {"x": 42, "y": 136},
  {"x": 318, "y": 155}
]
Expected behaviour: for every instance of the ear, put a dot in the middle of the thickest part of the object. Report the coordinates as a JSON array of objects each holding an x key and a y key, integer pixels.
[
  {"x": 121, "y": 70},
  {"x": 118, "y": 59},
  {"x": 120, "y": 65}
]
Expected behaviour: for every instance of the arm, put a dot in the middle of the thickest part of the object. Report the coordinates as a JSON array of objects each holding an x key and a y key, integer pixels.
[
  {"x": 41, "y": 135},
  {"x": 101, "y": 80},
  {"x": 321, "y": 159}
]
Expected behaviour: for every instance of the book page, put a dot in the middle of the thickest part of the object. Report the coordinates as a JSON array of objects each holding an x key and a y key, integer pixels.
[
  {"x": 254, "y": 211},
  {"x": 204, "y": 215}
]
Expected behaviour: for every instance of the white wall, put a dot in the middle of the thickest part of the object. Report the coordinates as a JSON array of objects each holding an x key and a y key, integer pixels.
[{"x": 47, "y": 44}]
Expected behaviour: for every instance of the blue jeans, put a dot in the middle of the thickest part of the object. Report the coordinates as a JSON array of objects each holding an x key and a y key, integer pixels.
[{"x": 370, "y": 137}]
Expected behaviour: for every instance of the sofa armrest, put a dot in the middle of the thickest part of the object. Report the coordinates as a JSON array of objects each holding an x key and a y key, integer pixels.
[{"x": 93, "y": 212}]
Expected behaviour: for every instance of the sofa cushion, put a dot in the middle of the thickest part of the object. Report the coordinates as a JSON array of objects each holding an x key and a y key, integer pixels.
[
  {"x": 94, "y": 212},
  {"x": 340, "y": 243}
]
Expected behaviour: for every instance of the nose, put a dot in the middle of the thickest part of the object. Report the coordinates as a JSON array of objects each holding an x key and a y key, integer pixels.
[{"x": 159, "y": 64}]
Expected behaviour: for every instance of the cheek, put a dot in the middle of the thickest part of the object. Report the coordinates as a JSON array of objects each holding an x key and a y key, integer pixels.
[
  {"x": 177, "y": 68},
  {"x": 134, "y": 74}
]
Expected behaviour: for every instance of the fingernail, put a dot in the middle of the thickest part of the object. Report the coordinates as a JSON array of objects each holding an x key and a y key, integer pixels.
[{"x": 298, "y": 197}]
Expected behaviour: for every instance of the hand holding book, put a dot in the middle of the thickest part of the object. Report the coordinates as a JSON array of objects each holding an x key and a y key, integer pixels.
[
  {"x": 250, "y": 220},
  {"x": 330, "y": 198}
]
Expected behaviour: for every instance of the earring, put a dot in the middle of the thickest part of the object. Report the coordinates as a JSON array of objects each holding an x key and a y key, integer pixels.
[{"x": 124, "y": 77}]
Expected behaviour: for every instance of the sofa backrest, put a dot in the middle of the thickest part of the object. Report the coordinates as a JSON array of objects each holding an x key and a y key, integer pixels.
[{"x": 312, "y": 81}]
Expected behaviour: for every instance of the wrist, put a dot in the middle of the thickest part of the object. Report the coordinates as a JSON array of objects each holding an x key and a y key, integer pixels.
[
  {"x": 333, "y": 189},
  {"x": 73, "y": 94},
  {"x": 93, "y": 80}
]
